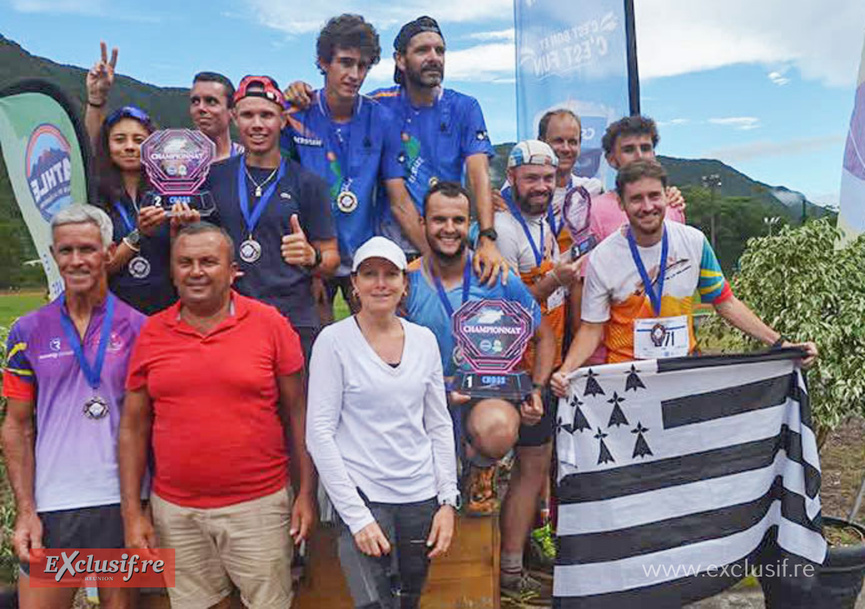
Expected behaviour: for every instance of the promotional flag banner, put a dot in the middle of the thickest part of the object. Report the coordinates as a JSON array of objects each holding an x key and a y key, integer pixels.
[
  {"x": 41, "y": 141},
  {"x": 574, "y": 55},
  {"x": 673, "y": 471},
  {"x": 852, "y": 217}
]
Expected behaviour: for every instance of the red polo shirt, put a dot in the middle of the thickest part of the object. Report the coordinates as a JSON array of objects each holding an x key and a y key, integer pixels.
[{"x": 217, "y": 436}]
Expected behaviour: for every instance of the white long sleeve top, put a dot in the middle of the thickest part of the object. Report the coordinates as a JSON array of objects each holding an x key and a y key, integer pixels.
[{"x": 381, "y": 429}]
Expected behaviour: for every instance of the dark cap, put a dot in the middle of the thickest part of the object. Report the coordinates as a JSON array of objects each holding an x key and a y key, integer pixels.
[
  {"x": 259, "y": 86},
  {"x": 409, "y": 31}
]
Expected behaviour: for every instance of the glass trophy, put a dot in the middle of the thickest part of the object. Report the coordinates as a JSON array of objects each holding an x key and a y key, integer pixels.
[{"x": 177, "y": 162}]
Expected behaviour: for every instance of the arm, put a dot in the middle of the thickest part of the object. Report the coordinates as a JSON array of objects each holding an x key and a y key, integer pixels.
[
  {"x": 19, "y": 436},
  {"x": 298, "y": 251},
  {"x": 133, "y": 445},
  {"x": 488, "y": 261},
  {"x": 406, "y": 214},
  {"x": 545, "y": 354},
  {"x": 563, "y": 275},
  {"x": 587, "y": 341},
  {"x": 99, "y": 81},
  {"x": 292, "y": 413}
]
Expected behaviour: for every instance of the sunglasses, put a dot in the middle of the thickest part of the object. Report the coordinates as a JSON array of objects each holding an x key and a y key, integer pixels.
[{"x": 132, "y": 112}]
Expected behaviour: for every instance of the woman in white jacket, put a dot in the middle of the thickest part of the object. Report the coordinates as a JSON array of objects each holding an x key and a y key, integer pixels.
[{"x": 381, "y": 436}]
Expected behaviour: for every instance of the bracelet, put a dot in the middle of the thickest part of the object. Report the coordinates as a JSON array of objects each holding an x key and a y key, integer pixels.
[
  {"x": 538, "y": 387},
  {"x": 777, "y": 344},
  {"x": 317, "y": 261},
  {"x": 92, "y": 105},
  {"x": 128, "y": 243}
]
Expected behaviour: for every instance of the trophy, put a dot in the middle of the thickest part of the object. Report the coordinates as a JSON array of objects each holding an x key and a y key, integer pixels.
[
  {"x": 177, "y": 162},
  {"x": 492, "y": 336},
  {"x": 576, "y": 210}
]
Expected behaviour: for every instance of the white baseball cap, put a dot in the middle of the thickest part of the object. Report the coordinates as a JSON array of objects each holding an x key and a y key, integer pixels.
[
  {"x": 380, "y": 247},
  {"x": 532, "y": 152}
]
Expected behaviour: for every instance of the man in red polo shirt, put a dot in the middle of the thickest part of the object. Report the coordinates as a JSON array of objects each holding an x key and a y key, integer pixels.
[{"x": 217, "y": 381}]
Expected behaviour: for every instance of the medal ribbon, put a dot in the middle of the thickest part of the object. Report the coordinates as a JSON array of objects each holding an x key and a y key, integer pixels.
[
  {"x": 440, "y": 288},
  {"x": 94, "y": 374},
  {"x": 341, "y": 146},
  {"x": 124, "y": 215},
  {"x": 515, "y": 212},
  {"x": 243, "y": 195},
  {"x": 655, "y": 298}
]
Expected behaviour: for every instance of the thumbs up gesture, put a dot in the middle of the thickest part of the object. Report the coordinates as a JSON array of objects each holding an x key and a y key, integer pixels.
[{"x": 295, "y": 248}]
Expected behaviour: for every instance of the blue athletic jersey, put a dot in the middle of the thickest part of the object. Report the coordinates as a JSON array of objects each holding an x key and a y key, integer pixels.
[
  {"x": 351, "y": 157},
  {"x": 436, "y": 141},
  {"x": 423, "y": 307}
]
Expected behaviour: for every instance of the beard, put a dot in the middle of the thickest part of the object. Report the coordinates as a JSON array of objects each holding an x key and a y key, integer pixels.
[
  {"x": 447, "y": 258},
  {"x": 527, "y": 206},
  {"x": 423, "y": 78}
]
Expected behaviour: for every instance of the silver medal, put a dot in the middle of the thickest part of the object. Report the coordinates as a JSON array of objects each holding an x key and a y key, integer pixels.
[
  {"x": 250, "y": 250},
  {"x": 346, "y": 201},
  {"x": 139, "y": 267},
  {"x": 95, "y": 408}
]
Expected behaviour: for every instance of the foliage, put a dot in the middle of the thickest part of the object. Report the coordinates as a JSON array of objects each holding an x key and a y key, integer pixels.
[
  {"x": 801, "y": 285},
  {"x": 8, "y": 561}
]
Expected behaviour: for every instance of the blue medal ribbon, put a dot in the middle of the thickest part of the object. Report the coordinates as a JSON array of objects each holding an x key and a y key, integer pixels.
[
  {"x": 92, "y": 374},
  {"x": 124, "y": 215},
  {"x": 440, "y": 288},
  {"x": 551, "y": 218},
  {"x": 655, "y": 298},
  {"x": 243, "y": 194},
  {"x": 340, "y": 144},
  {"x": 515, "y": 212}
]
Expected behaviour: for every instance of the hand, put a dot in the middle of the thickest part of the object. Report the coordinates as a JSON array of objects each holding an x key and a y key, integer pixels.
[
  {"x": 27, "y": 536},
  {"x": 808, "y": 347},
  {"x": 675, "y": 199},
  {"x": 455, "y": 398},
  {"x": 303, "y": 517},
  {"x": 442, "y": 532},
  {"x": 182, "y": 214},
  {"x": 560, "y": 383},
  {"x": 371, "y": 541},
  {"x": 100, "y": 78},
  {"x": 296, "y": 249},
  {"x": 138, "y": 531},
  {"x": 299, "y": 94},
  {"x": 499, "y": 203},
  {"x": 532, "y": 409},
  {"x": 567, "y": 272},
  {"x": 149, "y": 219},
  {"x": 489, "y": 264}
]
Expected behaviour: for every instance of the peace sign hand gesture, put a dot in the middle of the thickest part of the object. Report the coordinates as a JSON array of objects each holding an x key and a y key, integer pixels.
[{"x": 100, "y": 78}]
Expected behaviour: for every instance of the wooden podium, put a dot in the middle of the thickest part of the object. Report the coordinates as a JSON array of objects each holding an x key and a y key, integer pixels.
[{"x": 467, "y": 577}]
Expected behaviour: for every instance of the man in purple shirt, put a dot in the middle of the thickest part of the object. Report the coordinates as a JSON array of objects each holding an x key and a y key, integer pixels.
[{"x": 67, "y": 365}]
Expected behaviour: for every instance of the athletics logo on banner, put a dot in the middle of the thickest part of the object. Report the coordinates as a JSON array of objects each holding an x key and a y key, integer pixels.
[{"x": 49, "y": 170}]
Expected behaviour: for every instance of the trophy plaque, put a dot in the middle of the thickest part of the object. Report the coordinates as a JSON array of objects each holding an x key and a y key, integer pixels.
[
  {"x": 177, "y": 162},
  {"x": 492, "y": 336}
]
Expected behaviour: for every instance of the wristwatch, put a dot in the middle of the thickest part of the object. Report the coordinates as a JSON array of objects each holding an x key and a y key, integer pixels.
[
  {"x": 455, "y": 501},
  {"x": 490, "y": 233},
  {"x": 133, "y": 240},
  {"x": 317, "y": 260}
]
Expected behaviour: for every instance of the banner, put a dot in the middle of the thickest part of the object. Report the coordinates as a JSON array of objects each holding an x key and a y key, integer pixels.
[
  {"x": 852, "y": 217},
  {"x": 41, "y": 143},
  {"x": 574, "y": 55},
  {"x": 674, "y": 474}
]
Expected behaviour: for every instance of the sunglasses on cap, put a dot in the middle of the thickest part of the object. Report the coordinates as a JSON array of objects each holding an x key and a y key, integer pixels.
[
  {"x": 132, "y": 112},
  {"x": 259, "y": 86}
]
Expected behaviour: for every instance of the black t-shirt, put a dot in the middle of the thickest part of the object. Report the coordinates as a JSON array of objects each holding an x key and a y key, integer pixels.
[
  {"x": 270, "y": 279},
  {"x": 144, "y": 285}
]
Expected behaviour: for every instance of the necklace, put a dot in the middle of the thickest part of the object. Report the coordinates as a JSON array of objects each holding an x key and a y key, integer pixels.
[{"x": 258, "y": 186}]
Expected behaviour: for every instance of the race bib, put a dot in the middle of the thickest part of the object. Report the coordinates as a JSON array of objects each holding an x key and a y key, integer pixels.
[
  {"x": 661, "y": 337},
  {"x": 556, "y": 299}
]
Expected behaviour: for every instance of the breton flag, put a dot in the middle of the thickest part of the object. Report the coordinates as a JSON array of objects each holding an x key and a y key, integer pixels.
[{"x": 671, "y": 469}]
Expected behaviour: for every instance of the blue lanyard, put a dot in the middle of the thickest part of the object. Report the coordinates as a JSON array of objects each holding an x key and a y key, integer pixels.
[
  {"x": 551, "y": 218},
  {"x": 243, "y": 194},
  {"x": 655, "y": 298},
  {"x": 341, "y": 145},
  {"x": 94, "y": 374},
  {"x": 443, "y": 296},
  {"x": 124, "y": 215},
  {"x": 515, "y": 212}
]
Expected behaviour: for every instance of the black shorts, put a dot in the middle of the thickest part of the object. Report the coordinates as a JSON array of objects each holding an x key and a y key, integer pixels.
[
  {"x": 99, "y": 527},
  {"x": 529, "y": 435}
]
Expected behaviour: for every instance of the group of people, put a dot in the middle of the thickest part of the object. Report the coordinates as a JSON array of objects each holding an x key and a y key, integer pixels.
[{"x": 206, "y": 426}]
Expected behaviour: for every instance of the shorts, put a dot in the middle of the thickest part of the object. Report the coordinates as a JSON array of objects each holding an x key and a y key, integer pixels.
[
  {"x": 529, "y": 435},
  {"x": 99, "y": 527},
  {"x": 247, "y": 544}
]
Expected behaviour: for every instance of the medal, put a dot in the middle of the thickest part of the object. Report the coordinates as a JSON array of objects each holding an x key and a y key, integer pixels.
[
  {"x": 139, "y": 267},
  {"x": 346, "y": 201},
  {"x": 95, "y": 408},
  {"x": 250, "y": 250},
  {"x": 433, "y": 181},
  {"x": 658, "y": 334}
]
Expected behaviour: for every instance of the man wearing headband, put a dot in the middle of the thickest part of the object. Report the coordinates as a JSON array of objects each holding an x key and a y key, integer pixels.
[
  {"x": 277, "y": 212},
  {"x": 350, "y": 140},
  {"x": 210, "y": 103}
]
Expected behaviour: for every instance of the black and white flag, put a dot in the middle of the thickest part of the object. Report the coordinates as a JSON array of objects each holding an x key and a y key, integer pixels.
[{"x": 670, "y": 470}]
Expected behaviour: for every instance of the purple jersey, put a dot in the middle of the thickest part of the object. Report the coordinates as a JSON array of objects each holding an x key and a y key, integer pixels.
[{"x": 76, "y": 451}]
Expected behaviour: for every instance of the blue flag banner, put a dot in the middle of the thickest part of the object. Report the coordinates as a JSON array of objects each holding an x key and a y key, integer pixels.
[
  {"x": 673, "y": 471},
  {"x": 573, "y": 55},
  {"x": 41, "y": 140},
  {"x": 852, "y": 217}
]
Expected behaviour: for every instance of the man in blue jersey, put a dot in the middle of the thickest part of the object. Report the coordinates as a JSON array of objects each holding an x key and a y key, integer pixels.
[
  {"x": 443, "y": 133},
  {"x": 442, "y": 283},
  {"x": 350, "y": 140}
]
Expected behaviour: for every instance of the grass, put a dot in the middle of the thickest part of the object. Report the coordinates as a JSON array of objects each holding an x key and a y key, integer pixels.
[{"x": 15, "y": 304}]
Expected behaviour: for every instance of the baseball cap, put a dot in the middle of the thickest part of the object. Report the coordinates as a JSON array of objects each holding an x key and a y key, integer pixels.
[
  {"x": 259, "y": 86},
  {"x": 532, "y": 152},
  {"x": 409, "y": 31},
  {"x": 379, "y": 247}
]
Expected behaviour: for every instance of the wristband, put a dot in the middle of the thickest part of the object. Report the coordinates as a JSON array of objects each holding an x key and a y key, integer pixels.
[
  {"x": 777, "y": 344},
  {"x": 134, "y": 248},
  {"x": 317, "y": 261},
  {"x": 92, "y": 105}
]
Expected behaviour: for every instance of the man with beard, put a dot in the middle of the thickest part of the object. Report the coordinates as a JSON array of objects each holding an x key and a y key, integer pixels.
[
  {"x": 442, "y": 283},
  {"x": 210, "y": 103}
]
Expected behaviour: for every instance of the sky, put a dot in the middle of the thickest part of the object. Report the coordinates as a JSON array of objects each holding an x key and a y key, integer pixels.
[{"x": 766, "y": 86}]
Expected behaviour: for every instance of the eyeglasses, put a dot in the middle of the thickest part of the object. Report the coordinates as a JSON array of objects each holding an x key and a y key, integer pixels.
[{"x": 132, "y": 112}]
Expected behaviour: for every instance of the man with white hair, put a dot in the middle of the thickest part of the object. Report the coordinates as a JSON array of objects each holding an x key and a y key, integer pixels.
[{"x": 67, "y": 365}]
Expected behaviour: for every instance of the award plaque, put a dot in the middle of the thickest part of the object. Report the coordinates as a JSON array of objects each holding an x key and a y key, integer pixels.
[
  {"x": 492, "y": 336},
  {"x": 177, "y": 162}
]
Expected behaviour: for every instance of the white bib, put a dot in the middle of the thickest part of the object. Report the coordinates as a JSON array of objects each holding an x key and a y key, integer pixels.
[
  {"x": 661, "y": 337},
  {"x": 556, "y": 299}
]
